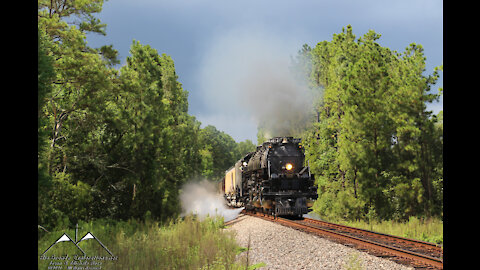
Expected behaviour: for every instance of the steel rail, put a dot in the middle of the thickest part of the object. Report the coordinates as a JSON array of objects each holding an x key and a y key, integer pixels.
[
  {"x": 417, "y": 257},
  {"x": 416, "y": 243}
]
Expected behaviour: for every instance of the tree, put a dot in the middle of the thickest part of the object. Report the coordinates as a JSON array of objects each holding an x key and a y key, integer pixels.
[
  {"x": 218, "y": 150},
  {"x": 112, "y": 143},
  {"x": 244, "y": 148},
  {"x": 45, "y": 76},
  {"x": 374, "y": 141},
  {"x": 80, "y": 80},
  {"x": 153, "y": 141}
]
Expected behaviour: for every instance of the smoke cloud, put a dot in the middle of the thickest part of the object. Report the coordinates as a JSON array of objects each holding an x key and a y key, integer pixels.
[
  {"x": 280, "y": 104},
  {"x": 202, "y": 198},
  {"x": 247, "y": 78}
]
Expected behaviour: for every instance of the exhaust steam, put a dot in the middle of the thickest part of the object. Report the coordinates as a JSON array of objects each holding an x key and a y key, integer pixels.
[{"x": 202, "y": 199}]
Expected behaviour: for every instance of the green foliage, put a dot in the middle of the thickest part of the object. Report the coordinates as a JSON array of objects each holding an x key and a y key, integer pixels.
[
  {"x": 183, "y": 244},
  {"x": 45, "y": 76},
  {"x": 72, "y": 198},
  {"x": 244, "y": 148},
  {"x": 119, "y": 143},
  {"x": 156, "y": 137},
  {"x": 424, "y": 229},
  {"x": 219, "y": 151},
  {"x": 116, "y": 143},
  {"x": 375, "y": 146}
]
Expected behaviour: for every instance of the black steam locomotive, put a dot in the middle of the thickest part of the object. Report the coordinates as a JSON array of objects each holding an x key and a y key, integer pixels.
[{"x": 274, "y": 179}]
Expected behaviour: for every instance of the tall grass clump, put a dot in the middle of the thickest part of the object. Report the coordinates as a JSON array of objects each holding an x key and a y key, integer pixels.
[
  {"x": 424, "y": 229},
  {"x": 186, "y": 243}
]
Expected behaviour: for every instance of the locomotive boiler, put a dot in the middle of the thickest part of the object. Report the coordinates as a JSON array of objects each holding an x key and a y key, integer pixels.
[{"x": 274, "y": 179}]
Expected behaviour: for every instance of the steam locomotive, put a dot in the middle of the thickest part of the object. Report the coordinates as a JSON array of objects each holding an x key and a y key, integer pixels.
[{"x": 273, "y": 179}]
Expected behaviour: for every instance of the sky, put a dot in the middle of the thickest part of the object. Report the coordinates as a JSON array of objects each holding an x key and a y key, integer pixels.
[{"x": 224, "y": 49}]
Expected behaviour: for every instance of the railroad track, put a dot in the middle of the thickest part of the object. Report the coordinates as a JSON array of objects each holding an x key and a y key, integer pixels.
[{"x": 419, "y": 254}]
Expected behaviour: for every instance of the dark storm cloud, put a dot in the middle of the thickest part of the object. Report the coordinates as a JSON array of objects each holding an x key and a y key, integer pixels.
[{"x": 190, "y": 31}]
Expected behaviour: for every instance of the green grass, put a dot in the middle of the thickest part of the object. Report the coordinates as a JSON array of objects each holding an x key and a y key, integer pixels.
[
  {"x": 429, "y": 230},
  {"x": 184, "y": 244}
]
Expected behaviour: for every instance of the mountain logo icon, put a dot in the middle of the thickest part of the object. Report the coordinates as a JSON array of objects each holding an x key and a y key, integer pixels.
[{"x": 66, "y": 238}]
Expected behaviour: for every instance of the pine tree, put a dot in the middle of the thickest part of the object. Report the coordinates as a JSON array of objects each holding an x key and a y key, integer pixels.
[{"x": 372, "y": 149}]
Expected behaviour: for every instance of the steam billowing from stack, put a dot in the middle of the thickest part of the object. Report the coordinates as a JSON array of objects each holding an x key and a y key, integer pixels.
[
  {"x": 247, "y": 81},
  {"x": 202, "y": 199},
  {"x": 280, "y": 104}
]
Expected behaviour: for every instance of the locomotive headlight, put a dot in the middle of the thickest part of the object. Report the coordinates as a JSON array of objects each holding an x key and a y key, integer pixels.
[{"x": 289, "y": 166}]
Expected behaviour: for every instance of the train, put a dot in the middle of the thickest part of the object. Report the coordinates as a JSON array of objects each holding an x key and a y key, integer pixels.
[{"x": 274, "y": 179}]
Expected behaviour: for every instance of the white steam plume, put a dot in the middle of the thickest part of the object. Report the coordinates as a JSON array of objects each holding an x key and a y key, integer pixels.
[{"x": 202, "y": 198}]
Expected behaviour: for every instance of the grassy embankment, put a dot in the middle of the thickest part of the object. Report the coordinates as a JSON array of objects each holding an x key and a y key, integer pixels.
[
  {"x": 183, "y": 244},
  {"x": 429, "y": 230}
]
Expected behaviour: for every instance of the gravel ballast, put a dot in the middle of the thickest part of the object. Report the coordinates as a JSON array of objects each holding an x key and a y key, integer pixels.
[{"x": 280, "y": 247}]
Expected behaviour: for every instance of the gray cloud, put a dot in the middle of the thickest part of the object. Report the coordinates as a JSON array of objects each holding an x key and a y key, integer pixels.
[
  {"x": 245, "y": 77},
  {"x": 192, "y": 31}
]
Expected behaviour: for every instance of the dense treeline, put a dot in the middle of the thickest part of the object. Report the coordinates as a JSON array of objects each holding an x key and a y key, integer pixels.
[
  {"x": 375, "y": 149},
  {"x": 220, "y": 151},
  {"x": 115, "y": 143},
  {"x": 119, "y": 142}
]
